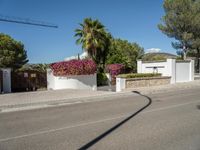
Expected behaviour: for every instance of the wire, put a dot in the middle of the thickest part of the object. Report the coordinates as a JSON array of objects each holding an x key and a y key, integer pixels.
[{"x": 26, "y": 21}]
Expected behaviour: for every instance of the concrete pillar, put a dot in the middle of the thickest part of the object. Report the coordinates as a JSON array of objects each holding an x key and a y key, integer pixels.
[
  {"x": 120, "y": 84},
  {"x": 139, "y": 66},
  {"x": 6, "y": 80},
  {"x": 171, "y": 69},
  {"x": 191, "y": 70}
]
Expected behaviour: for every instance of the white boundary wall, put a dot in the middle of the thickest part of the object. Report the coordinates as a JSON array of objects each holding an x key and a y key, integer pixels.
[
  {"x": 179, "y": 71},
  {"x": 71, "y": 82}
]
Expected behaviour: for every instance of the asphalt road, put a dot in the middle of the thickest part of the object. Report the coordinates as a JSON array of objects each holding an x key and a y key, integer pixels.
[{"x": 165, "y": 121}]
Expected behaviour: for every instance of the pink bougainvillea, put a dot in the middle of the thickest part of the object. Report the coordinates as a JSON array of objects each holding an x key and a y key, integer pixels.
[
  {"x": 115, "y": 69},
  {"x": 74, "y": 67}
]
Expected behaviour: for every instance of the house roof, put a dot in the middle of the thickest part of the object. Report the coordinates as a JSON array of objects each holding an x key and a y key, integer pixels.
[{"x": 157, "y": 56}]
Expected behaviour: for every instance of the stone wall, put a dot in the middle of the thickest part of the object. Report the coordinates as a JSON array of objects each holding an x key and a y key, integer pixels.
[{"x": 145, "y": 82}]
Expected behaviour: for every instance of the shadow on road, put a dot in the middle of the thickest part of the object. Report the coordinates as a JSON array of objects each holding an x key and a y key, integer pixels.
[{"x": 109, "y": 131}]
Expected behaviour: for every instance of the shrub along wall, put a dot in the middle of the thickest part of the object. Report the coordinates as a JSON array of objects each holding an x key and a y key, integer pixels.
[{"x": 139, "y": 75}]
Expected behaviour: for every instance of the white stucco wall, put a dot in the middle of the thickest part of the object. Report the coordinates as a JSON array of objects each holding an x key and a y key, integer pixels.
[
  {"x": 185, "y": 71},
  {"x": 153, "y": 67},
  {"x": 71, "y": 82}
]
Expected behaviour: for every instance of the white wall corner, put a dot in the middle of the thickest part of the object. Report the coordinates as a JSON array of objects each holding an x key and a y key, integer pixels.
[
  {"x": 171, "y": 69},
  {"x": 139, "y": 66},
  {"x": 50, "y": 80},
  {"x": 192, "y": 70}
]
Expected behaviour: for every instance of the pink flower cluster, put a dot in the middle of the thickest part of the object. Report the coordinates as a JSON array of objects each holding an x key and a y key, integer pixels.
[
  {"x": 74, "y": 67},
  {"x": 115, "y": 69}
]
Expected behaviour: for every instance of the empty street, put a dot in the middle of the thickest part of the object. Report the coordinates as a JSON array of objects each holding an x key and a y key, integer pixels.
[{"x": 162, "y": 121}]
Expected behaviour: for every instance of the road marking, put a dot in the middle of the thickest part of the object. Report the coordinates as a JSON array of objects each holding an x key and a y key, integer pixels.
[
  {"x": 94, "y": 122},
  {"x": 170, "y": 107}
]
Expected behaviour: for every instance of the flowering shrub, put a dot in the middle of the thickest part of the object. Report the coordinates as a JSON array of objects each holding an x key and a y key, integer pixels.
[
  {"x": 115, "y": 69},
  {"x": 73, "y": 67}
]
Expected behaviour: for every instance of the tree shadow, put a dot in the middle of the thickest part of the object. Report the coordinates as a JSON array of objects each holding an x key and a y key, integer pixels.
[{"x": 109, "y": 131}]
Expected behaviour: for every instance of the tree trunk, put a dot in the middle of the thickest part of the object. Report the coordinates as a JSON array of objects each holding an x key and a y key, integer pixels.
[{"x": 184, "y": 55}]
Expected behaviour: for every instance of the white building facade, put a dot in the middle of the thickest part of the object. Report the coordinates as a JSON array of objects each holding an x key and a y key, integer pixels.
[{"x": 179, "y": 71}]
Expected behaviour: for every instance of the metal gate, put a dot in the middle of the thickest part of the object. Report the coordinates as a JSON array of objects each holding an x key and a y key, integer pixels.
[
  {"x": 197, "y": 66},
  {"x": 1, "y": 81}
]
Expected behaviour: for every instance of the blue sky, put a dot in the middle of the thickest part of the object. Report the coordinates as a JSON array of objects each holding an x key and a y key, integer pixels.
[{"x": 133, "y": 20}]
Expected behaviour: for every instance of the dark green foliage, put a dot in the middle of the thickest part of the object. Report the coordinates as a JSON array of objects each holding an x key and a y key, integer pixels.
[
  {"x": 139, "y": 75},
  {"x": 126, "y": 53},
  {"x": 34, "y": 67},
  {"x": 102, "y": 79},
  {"x": 12, "y": 53},
  {"x": 177, "y": 22},
  {"x": 182, "y": 22}
]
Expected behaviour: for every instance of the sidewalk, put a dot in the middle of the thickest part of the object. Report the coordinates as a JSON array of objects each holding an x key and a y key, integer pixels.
[{"x": 47, "y": 96}]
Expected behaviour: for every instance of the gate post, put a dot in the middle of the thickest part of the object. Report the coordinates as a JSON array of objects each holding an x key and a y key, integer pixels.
[
  {"x": 171, "y": 69},
  {"x": 6, "y": 80}
]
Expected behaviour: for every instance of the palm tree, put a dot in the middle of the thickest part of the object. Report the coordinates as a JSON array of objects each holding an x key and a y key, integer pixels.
[{"x": 93, "y": 37}]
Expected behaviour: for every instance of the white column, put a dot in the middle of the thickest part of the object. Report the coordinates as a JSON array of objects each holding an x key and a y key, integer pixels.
[
  {"x": 120, "y": 84},
  {"x": 191, "y": 70},
  {"x": 50, "y": 80},
  {"x": 6, "y": 80},
  {"x": 139, "y": 66},
  {"x": 171, "y": 69}
]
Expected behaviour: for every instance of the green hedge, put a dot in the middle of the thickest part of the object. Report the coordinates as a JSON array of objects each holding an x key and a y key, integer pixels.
[
  {"x": 139, "y": 75},
  {"x": 101, "y": 79}
]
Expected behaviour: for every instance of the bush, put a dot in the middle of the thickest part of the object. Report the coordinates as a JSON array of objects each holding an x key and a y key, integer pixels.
[
  {"x": 115, "y": 69},
  {"x": 74, "y": 67},
  {"x": 139, "y": 75},
  {"x": 101, "y": 79}
]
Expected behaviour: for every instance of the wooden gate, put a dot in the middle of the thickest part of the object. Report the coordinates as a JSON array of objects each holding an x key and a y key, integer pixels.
[
  {"x": 1, "y": 81},
  {"x": 28, "y": 81}
]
